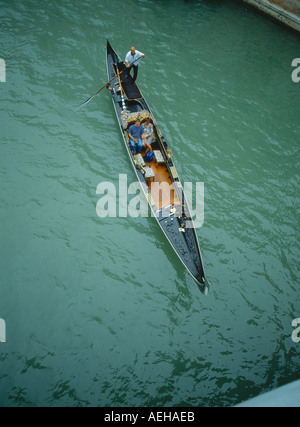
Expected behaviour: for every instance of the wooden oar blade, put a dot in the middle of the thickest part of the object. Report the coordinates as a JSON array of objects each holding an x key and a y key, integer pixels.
[{"x": 87, "y": 101}]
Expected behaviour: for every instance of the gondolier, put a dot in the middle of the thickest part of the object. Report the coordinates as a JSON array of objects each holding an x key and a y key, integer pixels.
[{"x": 133, "y": 59}]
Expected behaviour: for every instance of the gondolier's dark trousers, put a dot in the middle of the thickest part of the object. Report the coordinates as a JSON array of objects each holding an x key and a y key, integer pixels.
[{"x": 135, "y": 71}]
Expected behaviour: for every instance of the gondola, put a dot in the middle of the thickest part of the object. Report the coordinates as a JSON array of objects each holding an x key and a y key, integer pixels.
[{"x": 169, "y": 207}]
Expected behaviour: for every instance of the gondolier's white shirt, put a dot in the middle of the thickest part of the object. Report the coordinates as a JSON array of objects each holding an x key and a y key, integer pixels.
[{"x": 137, "y": 57}]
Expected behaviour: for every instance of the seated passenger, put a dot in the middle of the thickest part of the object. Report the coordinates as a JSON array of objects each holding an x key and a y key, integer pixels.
[
  {"x": 136, "y": 134},
  {"x": 149, "y": 132}
]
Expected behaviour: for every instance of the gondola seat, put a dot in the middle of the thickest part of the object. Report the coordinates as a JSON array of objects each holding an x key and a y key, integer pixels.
[
  {"x": 149, "y": 173},
  {"x": 139, "y": 160},
  {"x": 174, "y": 172},
  {"x": 159, "y": 158}
]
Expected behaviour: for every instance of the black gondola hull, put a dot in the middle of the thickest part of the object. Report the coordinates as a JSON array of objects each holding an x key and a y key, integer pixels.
[{"x": 184, "y": 241}]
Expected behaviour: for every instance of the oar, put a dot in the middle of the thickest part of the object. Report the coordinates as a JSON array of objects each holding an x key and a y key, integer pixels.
[
  {"x": 93, "y": 96},
  {"x": 116, "y": 76}
]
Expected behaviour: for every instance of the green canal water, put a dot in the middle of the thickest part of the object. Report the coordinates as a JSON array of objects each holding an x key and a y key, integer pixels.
[{"x": 100, "y": 311}]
